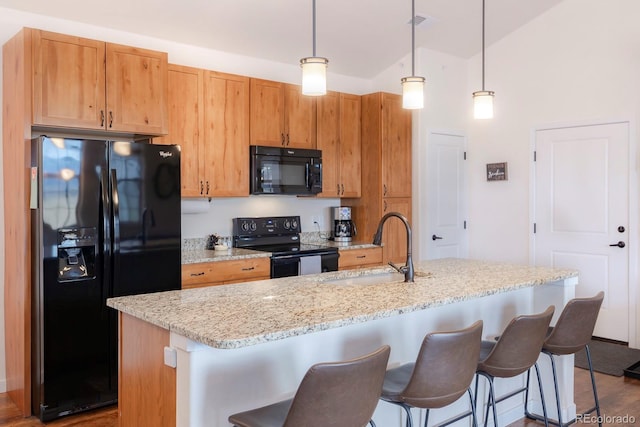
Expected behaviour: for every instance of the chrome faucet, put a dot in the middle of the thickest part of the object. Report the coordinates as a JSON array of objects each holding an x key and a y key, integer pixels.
[{"x": 377, "y": 240}]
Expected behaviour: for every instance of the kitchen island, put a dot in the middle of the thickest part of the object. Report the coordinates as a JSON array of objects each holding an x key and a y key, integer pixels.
[{"x": 240, "y": 346}]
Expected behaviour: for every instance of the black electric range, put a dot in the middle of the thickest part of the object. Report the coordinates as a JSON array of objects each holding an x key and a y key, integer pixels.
[{"x": 281, "y": 237}]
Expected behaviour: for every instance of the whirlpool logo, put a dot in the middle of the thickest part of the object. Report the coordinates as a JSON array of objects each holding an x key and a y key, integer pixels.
[{"x": 165, "y": 154}]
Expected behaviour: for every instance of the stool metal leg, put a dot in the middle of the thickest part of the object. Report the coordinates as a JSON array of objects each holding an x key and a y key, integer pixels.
[
  {"x": 372, "y": 423},
  {"x": 593, "y": 385},
  {"x": 426, "y": 418},
  {"x": 473, "y": 407},
  {"x": 544, "y": 406}
]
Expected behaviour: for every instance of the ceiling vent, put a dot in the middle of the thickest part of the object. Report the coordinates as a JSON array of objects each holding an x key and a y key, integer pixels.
[{"x": 423, "y": 21}]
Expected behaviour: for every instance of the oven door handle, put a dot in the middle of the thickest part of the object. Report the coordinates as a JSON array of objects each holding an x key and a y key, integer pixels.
[
  {"x": 307, "y": 177},
  {"x": 300, "y": 255}
]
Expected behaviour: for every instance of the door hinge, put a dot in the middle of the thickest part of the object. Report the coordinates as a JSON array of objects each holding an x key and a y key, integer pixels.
[
  {"x": 535, "y": 228},
  {"x": 535, "y": 156},
  {"x": 465, "y": 155},
  {"x": 464, "y": 224}
]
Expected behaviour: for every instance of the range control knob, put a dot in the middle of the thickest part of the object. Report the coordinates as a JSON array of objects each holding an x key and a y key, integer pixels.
[
  {"x": 245, "y": 226},
  {"x": 253, "y": 226},
  {"x": 286, "y": 224},
  {"x": 294, "y": 224}
]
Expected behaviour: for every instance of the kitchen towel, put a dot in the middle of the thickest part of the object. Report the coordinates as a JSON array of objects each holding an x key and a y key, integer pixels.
[{"x": 310, "y": 265}]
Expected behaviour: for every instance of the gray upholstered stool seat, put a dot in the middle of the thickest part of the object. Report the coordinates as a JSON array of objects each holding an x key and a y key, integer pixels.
[
  {"x": 333, "y": 394},
  {"x": 514, "y": 353},
  {"x": 572, "y": 333},
  {"x": 441, "y": 374}
]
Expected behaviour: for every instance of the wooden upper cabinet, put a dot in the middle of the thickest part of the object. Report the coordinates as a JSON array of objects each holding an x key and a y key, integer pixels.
[
  {"x": 68, "y": 81},
  {"x": 89, "y": 84},
  {"x": 339, "y": 139},
  {"x": 226, "y": 135},
  {"x": 299, "y": 118},
  {"x": 396, "y": 147},
  {"x": 281, "y": 116},
  {"x": 350, "y": 146},
  {"x": 328, "y": 140},
  {"x": 186, "y": 119},
  {"x": 209, "y": 119},
  {"x": 136, "y": 90}
]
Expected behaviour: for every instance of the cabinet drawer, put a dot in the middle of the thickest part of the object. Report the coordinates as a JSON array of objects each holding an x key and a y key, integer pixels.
[
  {"x": 354, "y": 258},
  {"x": 215, "y": 273}
]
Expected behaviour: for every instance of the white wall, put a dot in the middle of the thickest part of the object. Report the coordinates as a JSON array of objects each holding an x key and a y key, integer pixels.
[{"x": 577, "y": 63}]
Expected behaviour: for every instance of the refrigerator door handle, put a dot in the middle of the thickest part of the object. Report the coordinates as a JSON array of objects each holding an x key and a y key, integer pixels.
[
  {"x": 116, "y": 217},
  {"x": 106, "y": 224}
]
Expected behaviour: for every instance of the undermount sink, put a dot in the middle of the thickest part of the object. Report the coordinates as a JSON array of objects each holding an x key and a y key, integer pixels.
[{"x": 374, "y": 279}]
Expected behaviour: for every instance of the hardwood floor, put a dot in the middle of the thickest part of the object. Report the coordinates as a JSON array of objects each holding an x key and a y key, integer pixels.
[{"x": 619, "y": 396}]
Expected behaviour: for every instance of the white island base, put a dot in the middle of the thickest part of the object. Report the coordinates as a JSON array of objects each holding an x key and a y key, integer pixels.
[
  {"x": 191, "y": 358},
  {"x": 214, "y": 383}
]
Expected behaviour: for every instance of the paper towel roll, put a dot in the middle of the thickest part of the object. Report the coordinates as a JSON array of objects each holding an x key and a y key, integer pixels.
[{"x": 194, "y": 206}]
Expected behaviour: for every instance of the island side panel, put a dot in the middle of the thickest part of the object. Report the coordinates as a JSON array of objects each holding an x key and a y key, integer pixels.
[{"x": 146, "y": 386}]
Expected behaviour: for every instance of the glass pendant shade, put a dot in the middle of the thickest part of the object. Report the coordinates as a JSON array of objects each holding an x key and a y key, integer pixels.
[
  {"x": 314, "y": 75},
  {"x": 412, "y": 92},
  {"x": 483, "y": 104}
]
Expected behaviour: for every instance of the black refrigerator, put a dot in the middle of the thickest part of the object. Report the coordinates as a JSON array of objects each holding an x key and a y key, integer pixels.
[{"x": 105, "y": 222}]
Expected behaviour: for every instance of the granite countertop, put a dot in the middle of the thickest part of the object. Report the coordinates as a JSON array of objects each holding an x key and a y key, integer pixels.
[
  {"x": 193, "y": 256},
  {"x": 245, "y": 314}
]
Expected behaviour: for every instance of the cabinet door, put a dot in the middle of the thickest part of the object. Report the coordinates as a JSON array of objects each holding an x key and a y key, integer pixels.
[
  {"x": 186, "y": 118},
  {"x": 328, "y": 141},
  {"x": 350, "y": 147},
  {"x": 136, "y": 90},
  {"x": 68, "y": 81},
  {"x": 267, "y": 113},
  {"x": 396, "y": 147},
  {"x": 226, "y": 140},
  {"x": 394, "y": 236},
  {"x": 300, "y": 118}
]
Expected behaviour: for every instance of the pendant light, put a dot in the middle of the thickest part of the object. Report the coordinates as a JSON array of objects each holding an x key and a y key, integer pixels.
[
  {"x": 314, "y": 68},
  {"x": 413, "y": 86},
  {"x": 483, "y": 99}
]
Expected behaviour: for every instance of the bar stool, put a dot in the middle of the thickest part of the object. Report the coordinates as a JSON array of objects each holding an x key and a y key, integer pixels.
[
  {"x": 442, "y": 372},
  {"x": 513, "y": 353},
  {"x": 571, "y": 334},
  {"x": 337, "y": 394}
]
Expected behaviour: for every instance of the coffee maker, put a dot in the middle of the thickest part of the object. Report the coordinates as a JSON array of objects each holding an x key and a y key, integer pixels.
[{"x": 343, "y": 227}]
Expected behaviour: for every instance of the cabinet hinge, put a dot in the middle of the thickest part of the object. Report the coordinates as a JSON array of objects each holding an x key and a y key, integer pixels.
[
  {"x": 464, "y": 156},
  {"x": 535, "y": 156},
  {"x": 535, "y": 228},
  {"x": 464, "y": 224}
]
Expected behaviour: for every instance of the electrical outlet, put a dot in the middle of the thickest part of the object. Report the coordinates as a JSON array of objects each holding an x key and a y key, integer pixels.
[{"x": 317, "y": 221}]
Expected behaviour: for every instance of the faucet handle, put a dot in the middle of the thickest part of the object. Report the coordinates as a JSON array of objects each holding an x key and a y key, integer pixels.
[{"x": 401, "y": 269}]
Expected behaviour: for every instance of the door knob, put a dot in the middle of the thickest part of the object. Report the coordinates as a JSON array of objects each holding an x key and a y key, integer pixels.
[
  {"x": 434, "y": 237},
  {"x": 620, "y": 244}
]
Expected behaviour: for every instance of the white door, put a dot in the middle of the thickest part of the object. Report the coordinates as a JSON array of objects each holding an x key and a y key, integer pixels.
[
  {"x": 446, "y": 198},
  {"x": 582, "y": 214}
]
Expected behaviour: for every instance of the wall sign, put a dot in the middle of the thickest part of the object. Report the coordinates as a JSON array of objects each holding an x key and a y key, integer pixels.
[{"x": 497, "y": 171}]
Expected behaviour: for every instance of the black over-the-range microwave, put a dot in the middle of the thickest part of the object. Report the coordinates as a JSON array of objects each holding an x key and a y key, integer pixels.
[{"x": 276, "y": 170}]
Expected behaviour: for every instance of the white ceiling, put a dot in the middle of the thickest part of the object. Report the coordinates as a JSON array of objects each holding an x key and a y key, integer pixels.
[{"x": 359, "y": 37}]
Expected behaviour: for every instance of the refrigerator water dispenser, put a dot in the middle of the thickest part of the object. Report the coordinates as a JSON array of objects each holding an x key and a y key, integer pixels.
[{"x": 76, "y": 253}]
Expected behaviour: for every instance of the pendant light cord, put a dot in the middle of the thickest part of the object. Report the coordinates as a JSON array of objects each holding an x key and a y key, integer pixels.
[
  {"x": 413, "y": 37},
  {"x": 314, "y": 28},
  {"x": 482, "y": 44}
]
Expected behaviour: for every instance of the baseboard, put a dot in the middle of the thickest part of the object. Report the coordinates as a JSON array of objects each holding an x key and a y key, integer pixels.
[{"x": 3, "y": 386}]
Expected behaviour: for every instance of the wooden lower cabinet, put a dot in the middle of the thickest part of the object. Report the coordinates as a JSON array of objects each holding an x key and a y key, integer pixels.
[
  {"x": 146, "y": 386},
  {"x": 225, "y": 272},
  {"x": 358, "y": 258}
]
